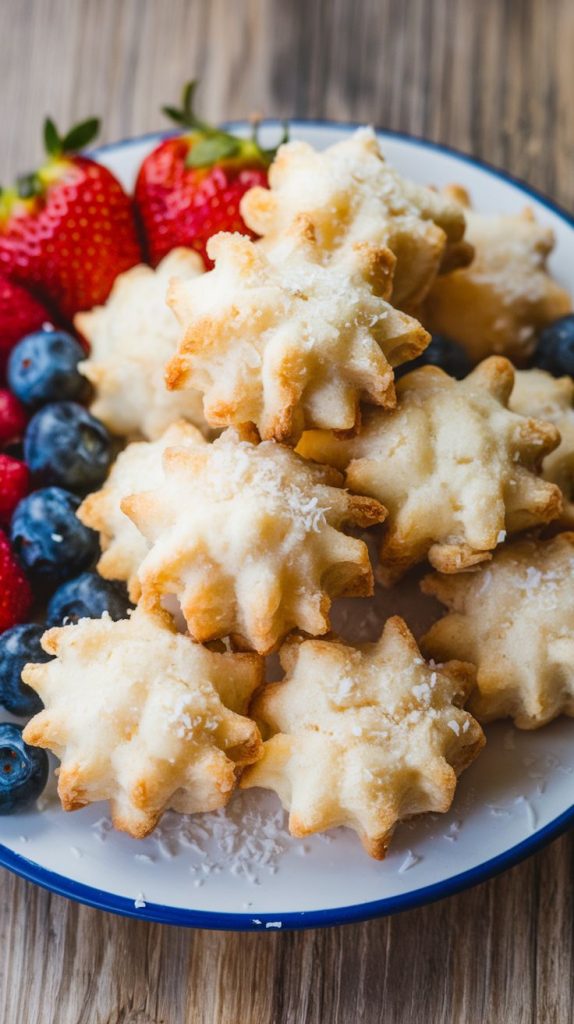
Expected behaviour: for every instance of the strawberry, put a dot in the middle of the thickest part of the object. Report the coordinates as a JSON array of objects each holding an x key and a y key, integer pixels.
[
  {"x": 190, "y": 186},
  {"x": 15, "y": 591},
  {"x": 68, "y": 229},
  {"x": 13, "y": 418},
  {"x": 20, "y": 314},
  {"x": 14, "y": 485}
]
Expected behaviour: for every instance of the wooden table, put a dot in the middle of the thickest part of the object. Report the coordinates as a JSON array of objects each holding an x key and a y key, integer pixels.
[{"x": 495, "y": 78}]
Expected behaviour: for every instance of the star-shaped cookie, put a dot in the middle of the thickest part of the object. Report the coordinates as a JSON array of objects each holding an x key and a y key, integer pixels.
[
  {"x": 141, "y": 716},
  {"x": 282, "y": 340},
  {"x": 537, "y": 393},
  {"x": 131, "y": 338},
  {"x": 515, "y": 620},
  {"x": 364, "y": 737},
  {"x": 123, "y": 546},
  {"x": 507, "y": 294},
  {"x": 351, "y": 194},
  {"x": 249, "y": 539},
  {"x": 455, "y": 468}
]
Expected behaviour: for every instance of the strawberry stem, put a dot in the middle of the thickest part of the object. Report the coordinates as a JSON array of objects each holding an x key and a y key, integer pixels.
[
  {"x": 185, "y": 115},
  {"x": 212, "y": 144}
]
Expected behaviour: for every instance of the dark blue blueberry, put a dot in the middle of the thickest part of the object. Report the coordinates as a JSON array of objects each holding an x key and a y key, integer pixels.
[
  {"x": 43, "y": 367},
  {"x": 65, "y": 445},
  {"x": 18, "y": 646},
  {"x": 441, "y": 352},
  {"x": 23, "y": 769},
  {"x": 87, "y": 597},
  {"x": 555, "y": 348},
  {"x": 47, "y": 536}
]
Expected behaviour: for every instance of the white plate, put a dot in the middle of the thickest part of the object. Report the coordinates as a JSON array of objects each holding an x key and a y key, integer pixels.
[{"x": 240, "y": 869}]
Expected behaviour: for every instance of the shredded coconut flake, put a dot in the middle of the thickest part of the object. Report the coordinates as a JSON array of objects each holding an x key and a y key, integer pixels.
[
  {"x": 531, "y": 815},
  {"x": 242, "y": 839},
  {"x": 410, "y": 861}
]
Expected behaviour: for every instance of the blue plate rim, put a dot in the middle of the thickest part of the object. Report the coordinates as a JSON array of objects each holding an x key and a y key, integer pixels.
[
  {"x": 179, "y": 916},
  {"x": 289, "y": 921}
]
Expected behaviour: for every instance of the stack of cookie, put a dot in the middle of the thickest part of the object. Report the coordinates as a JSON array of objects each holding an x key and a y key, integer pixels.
[{"x": 234, "y": 546}]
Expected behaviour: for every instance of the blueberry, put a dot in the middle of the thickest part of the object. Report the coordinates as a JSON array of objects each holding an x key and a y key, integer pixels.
[
  {"x": 87, "y": 597},
  {"x": 18, "y": 646},
  {"x": 65, "y": 445},
  {"x": 43, "y": 367},
  {"x": 555, "y": 348},
  {"x": 23, "y": 769},
  {"x": 441, "y": 352},
  {"x": 47, "y": 536}
]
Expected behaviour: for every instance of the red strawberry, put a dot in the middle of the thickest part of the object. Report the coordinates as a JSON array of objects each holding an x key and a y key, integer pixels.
[
  {"x": 68, "y": 229},
  {"x": 190, "y": 186},
  {"x": 20, "y": 313},
  {"x": 13, "y": 417},
  {"x": 15, "y": 591},
  {"x": 14, "y": 485}
]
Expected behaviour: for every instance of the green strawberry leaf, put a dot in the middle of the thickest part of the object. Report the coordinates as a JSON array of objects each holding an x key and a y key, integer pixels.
[
  {"x": 209, "y": 150},
  {"x": 81, "y": 135},
  {"x": 52, "y": 140},
  {"x": 174, "y": 115}
]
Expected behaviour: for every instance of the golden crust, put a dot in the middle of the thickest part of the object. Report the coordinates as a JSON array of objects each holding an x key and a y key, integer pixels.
[
  {"x": 248, "y": 538},
  {"x": 131, "y": 337},
  {"x": 363, "y": 737},
  {"x": 537, "y": 393},
  {"x": 286, "y": 341},
  {"x": 455, "y": 468},
  {"x": 123, "y": 546},
  {"x": 500, "y": 302},
  {"x": 141, "y": 716},
  {"x": 515, "y": 620},
  {"x": 350, "y": 194}
]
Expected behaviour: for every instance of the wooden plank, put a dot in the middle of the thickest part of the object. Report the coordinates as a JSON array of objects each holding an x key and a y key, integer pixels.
[{"x": 493, "y": 77}]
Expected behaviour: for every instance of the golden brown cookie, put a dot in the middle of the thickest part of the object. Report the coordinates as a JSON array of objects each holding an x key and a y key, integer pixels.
[
  {"x": 350, "y": 194},
  {"x": 131, "y": 338},
  {"x": 123, "y": 546},
  {"x": 364, "y": 737},
  {"x": 141, "y": 716},
  {"x": 249, "y": 539},
  {"x": 498, "y": 304},
  {"x": 514, "y": 619},
  {"x": 455, "y": 468},
  {"x": 537, "y": 393},
  {"x": 284, "y": 341}
]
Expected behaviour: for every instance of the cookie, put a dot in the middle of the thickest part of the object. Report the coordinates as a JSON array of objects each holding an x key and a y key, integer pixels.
[
  {"x": 454, "y": 467},
  {"x": 123, "y": 546},
  {"x": 248, "y": 538},
  {"x": 514, "y": 619},
  {"x": 350, "y": 194},
  {"x": 363, "y": 737},
  {"x": 131, "y": 338},
  {"x": 537, "y": 393},
  {"x": 284, "y": 341},
  {"x": 141, "y": 716},
  {"x": 506, "y": 295}
]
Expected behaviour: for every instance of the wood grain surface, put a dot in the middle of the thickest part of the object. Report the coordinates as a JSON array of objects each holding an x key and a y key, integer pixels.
[{"x": 494, "y": 78}]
